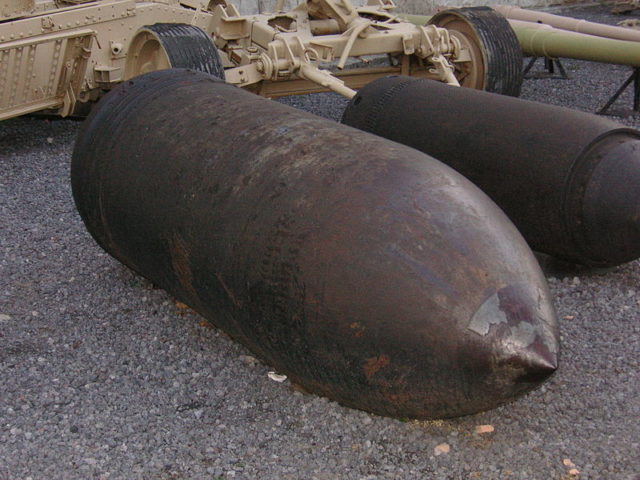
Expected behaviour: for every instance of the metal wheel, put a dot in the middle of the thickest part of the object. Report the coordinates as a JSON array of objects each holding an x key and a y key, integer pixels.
[
  {"x": 172, "y": 45},
  {"x": 495, "y": 62}
]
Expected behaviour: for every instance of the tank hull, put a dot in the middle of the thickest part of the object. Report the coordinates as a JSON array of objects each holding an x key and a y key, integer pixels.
[{"x": 364, "y": 270}]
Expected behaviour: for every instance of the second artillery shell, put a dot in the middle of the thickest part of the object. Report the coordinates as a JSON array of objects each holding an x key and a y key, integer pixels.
[
  {"x": 569, "y": 180},
  {"x": 364, "y": 270}
]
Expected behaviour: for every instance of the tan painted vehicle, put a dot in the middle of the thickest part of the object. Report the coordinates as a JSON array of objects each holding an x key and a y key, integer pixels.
[{"x": 59, "y": 55}]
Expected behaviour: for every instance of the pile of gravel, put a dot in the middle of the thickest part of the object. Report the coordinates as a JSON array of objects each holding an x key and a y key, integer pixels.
[{"x": 103, "y": 376}]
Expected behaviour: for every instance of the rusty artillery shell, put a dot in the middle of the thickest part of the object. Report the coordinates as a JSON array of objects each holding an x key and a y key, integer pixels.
[
  {"x": 570, "y": 181},
  {"x": 364, "y": 270}
]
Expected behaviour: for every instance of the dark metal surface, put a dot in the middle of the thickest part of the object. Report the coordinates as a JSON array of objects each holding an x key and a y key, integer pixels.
[
  {"x": 570, "y": 181},
  {"x": 364, "y": 270}
]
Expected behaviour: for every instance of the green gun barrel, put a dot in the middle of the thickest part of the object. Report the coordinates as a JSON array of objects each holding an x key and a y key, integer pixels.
[
  {"x": 543, "y": 41},
  {"x": 568, "y": 23}
]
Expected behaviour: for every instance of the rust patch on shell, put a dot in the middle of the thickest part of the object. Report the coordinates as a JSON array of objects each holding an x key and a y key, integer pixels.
[
  {"x": 180, "y": 261},
  {"x": 374, "y": 364},
  {"x": 228, "y": 291},
  {"x": 398, "y": 397},
  {"x": 181, "y": 264},
  {"x": 358, "y": 329}
]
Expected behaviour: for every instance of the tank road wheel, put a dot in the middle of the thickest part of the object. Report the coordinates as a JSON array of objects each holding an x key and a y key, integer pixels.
[
  {"x": 172, "y": 45},
  {"x": 496, "y": 57}
]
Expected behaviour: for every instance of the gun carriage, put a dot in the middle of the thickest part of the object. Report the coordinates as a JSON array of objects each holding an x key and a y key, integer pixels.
[{"x": 58, "y": 54}]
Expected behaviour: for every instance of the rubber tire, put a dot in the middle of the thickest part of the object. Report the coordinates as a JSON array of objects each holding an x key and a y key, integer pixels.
[
  {"x": 492, "y": 35},
  {"x": 185, "y": 46}
]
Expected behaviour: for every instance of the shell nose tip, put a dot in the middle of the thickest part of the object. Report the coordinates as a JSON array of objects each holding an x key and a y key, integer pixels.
[
  {"x": 524, "y": 332},
  {"x": 536, "y": 366}
]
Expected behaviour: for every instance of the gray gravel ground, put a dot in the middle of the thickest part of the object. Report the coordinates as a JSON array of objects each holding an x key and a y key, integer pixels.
[{"x": 102, "y": 376}]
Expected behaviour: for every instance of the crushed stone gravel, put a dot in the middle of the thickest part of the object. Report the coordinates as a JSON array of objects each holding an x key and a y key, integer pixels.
[{"x": 102, "y": 376}]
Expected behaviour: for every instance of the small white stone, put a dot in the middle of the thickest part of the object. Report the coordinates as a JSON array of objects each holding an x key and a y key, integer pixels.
[
  {"x": 276, "y": 377},
  {"x": 248, "y": 359},
  {"x": 481, "y": 429},
  {"x": 442, "y": 449}
]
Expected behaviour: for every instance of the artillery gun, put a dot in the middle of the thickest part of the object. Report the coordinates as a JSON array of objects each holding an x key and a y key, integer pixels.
[{"x": 58, "y": 54}]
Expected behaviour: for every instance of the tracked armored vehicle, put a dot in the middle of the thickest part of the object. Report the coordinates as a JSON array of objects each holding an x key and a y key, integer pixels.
[{"x": 61, "y": 54}]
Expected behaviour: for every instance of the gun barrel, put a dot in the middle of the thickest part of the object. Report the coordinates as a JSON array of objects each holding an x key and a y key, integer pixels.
[
  {"x": 568, "y": 23},
  {"x": 539, "y": 40}
]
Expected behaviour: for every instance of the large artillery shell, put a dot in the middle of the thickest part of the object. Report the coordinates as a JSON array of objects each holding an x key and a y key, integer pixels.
[
  {"x": 364, "y": 270},
  {"x": 569, "y": 181}
]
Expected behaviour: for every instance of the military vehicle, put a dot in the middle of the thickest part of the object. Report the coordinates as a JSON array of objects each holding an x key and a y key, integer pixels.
[{"x": 62, "y": 54}]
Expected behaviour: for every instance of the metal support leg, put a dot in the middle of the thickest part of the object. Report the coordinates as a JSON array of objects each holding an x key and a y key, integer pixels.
[
  {"x": 636, "y": 89},
  {"x": 529, "y": 65},
  {"x": 563, "y": 73},
  {"x": 550, "y": 65},
  {"x": 635, "y": 78}
]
